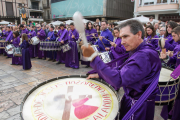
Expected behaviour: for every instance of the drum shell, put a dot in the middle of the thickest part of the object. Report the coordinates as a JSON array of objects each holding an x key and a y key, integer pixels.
[
  {"x": 9, "y": 49},
  {"x": 167, "y": 90},
  {"x": 50, "y": 46},
  {"x": 105, "y": 57}
]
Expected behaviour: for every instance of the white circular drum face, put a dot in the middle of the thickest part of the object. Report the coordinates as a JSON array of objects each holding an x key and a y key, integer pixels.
[
  {"x": 165, "y": 75},
  {"x": 71, "y": 99}
]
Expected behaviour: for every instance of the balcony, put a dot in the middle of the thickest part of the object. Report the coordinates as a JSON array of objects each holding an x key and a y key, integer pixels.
[
  {"x": 46, "y": 6},
  {"x": 35, "y": 18},
  {"x": 159, "y": 6},
  {"x": 35, "y": 9}
]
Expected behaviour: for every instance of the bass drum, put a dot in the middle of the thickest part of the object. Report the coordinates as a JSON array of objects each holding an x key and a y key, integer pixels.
[{"x": 71, "y": 98}]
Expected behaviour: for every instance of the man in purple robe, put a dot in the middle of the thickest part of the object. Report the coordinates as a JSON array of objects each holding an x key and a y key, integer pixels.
[
  {"x": 135, "y": 75},
  {"x": 105, "y": 37},
  {"x": 23, "y": 30},
  {"x": 173, "y": 59},
  {"x": 63, "y": 38},
  {"x": 72, "y": 58},
  {"x": 9, "y": 37},
  {"x": 51, "y": 37},
  {"x": 41, "y": 35},
  {"x": 32, "y": 48},
  {"x": 3, "y": 36}
]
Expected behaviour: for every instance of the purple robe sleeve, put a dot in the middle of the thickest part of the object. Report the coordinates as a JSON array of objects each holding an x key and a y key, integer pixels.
[
  {"x": 63, "y": 36},
  {"x": 170, "y": 44},
  {"x": 132, "y": 72}
]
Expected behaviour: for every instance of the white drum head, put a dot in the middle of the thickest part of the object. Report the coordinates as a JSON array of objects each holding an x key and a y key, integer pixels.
[
  {"x": 71, "y": 99},
  {"x": 165, "y": 75}
]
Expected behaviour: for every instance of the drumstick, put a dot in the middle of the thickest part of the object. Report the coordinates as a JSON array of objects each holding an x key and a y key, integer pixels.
[
  {"x": 104, "y": 38},
  {"x": 78, "y": 22},
  {"x": 91, "y": 34}
]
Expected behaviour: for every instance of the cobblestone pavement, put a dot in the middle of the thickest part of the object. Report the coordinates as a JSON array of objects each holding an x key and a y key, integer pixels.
[{"x": 15, "y": 83}]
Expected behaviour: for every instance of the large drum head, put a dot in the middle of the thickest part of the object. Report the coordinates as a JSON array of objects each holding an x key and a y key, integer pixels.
[
  {"x": 71, "y": 98},
  {"x": 165, "y": 75}
]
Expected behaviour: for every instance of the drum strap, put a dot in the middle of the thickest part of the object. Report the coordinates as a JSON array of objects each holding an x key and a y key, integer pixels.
[{"x": 144, "y": 97}]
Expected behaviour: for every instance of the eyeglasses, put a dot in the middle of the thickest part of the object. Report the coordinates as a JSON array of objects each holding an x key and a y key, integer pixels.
[
  {"x": 162, "y": 30},
  {"x": 38, "y": 27}
]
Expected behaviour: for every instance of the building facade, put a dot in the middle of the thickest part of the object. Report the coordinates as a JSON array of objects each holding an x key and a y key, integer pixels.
[
  {"x": 9, "y": 10},
  {"x": 92, "y": 9},
  {"x": 164, "y": 10},
  {"x": 47, "y": 10}
]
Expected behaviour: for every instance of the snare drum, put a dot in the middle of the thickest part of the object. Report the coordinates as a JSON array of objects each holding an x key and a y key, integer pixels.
[
  {"x": 50, "y": 46},
  {"x": 66, "y": 48},
  {"x": 71, "y": 98},
  {"x": 9, "y": 49},
  {"x": 105, "y": 57},
  {"x": 17, "y": 52},
  {"x": 95, "y": 48},
  {"x": 168, "y": 87},
  {"x": 35, "y": 40}
]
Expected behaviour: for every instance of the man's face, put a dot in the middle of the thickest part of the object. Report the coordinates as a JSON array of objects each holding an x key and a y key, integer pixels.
[
  {"x": 72, "y": 27},
  {"x": 162, "y": 31},
  {"x": 129, "y": 40},
  {"x": 62, "y": 28},
  {"x": 8, "y": 29},
  {"x": 38, "y": 27},
  {"x": 169, "y": 29},
  {"x": 103, "y": 25},
  {"x": 51, "y": 29},
  {"x": 151, "y": 20},
  {"x": 175, "y": 37}
]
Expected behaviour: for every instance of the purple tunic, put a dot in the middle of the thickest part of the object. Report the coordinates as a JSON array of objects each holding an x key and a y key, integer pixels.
[
  {"x": 135, "y": 75},
  {"x": 152, "y": 41},
  {"x": 63, "y": 34},
  {"x": 170, "y": 44},
  {"x": 16, "y": 60},
  {"x": 166, "y": 111},
  {"x": 51, "y": 54},
  {"x": 25, "y": 31},
  {"x": 32, "y": 48},
  {"x": 115, "y": 52},
  {"x": 90, "y": 37},
  {"x": 41, "y": 37},
  {"x": 105, "y": 43},
  {"x": 72, "y": 59},
  {"x": 26, "y": 60}
]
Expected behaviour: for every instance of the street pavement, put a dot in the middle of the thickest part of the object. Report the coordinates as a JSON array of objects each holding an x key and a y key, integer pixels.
[{"x": 15, "y": 83}]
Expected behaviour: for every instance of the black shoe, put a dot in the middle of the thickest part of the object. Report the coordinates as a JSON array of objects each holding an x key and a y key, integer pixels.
[
  {"x": 58, "y": 63},
  {"x": 12, "y": 64},
  {"x": 44, "y": 58},
  {"x": 7, "y": 57},
  {"x": 87, "y": 66},
  {"x": 54, "y": 61},
  {"x": 39, "y": 58}
]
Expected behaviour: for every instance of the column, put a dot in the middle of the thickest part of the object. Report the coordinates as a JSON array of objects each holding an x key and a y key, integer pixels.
[
  {"x": 155, "y": 2},
  {"x": 156, "y": 16},
  {"x": 142, "y": 4},
  {"x": 168, "y": 1}
]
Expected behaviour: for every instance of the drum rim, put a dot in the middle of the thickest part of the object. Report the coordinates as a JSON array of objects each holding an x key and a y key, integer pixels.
[{"x": 61, "y": 77}]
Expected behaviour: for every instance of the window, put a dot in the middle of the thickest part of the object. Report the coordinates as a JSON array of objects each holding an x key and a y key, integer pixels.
[
  {"x": 9, "y": 9},
  {"x": 35, "y": 5}
]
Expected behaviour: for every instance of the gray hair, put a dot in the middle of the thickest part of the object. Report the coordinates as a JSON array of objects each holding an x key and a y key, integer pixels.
[
  {"x": 164, "y": 28},
  {"x": 38, "y": 25},
  {"x": 135, "y": 27}
]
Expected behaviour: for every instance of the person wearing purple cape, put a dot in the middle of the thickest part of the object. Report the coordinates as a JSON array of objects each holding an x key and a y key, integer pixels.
[
  {"x": 116, "y": 48},
  {"x": 170, "y": 44},
  {"x": 16, "y": 41},
  {"x": 105, "y": 37},
  {"x": 151, "y": 37},
  {"x": 135, "y": 74},
  {"x": 3, "y": 36},
  {"x": 26, "y": 60},
  {"x": 91, "y": 35},
  {"x": 9, "y": 37},
  {"x": 72, "y": 58},
  {"x": 32, "y": 48},
  {"x": 172, "y": 111},
  {"x": 51, "y": 37},
  {"x": 42, "y": 36},
  {"x": 63, "y": 38}
]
